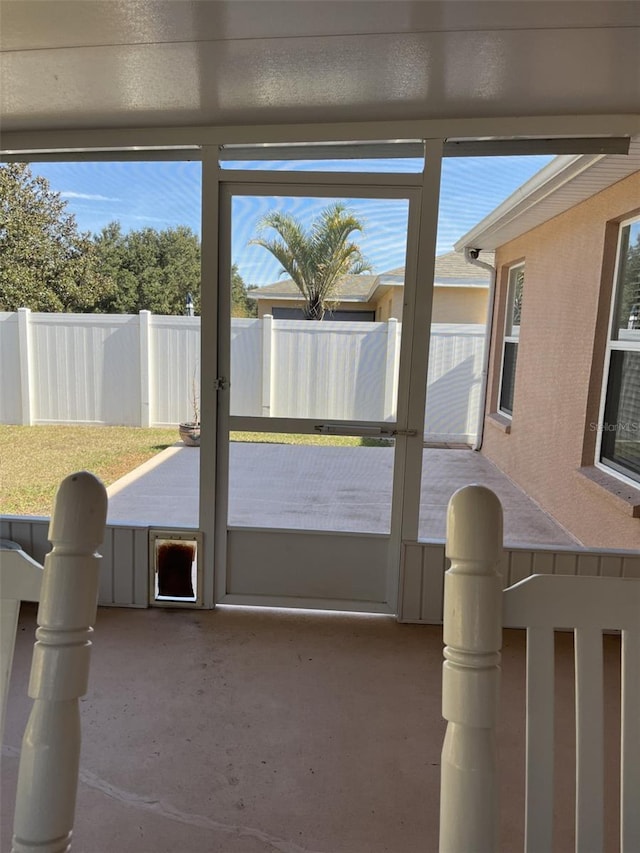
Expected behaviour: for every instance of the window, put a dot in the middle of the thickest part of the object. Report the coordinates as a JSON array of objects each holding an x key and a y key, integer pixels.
[
  {"x": 619, "y": 427},
  {"x": 511, "y": 337}
]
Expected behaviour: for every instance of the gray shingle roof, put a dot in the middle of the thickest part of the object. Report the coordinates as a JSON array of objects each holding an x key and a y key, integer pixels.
[
  {"x": 451, "y": 270},
  {"x": 351, "y": 287}
]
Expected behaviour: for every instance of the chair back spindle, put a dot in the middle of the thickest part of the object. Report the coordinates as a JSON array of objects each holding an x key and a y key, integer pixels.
[
  {"x": 475, "y": 610},
  {"x": 49, "y": 759},
  {"x": 471, "y": 673},
  {"x": 20, "y": 580},
  {"x": 588, "y": 605}
]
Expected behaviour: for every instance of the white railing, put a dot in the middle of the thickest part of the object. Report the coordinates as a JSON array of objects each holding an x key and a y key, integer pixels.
[
  {"x": 475, "y": 611},
  {"x": 140, "y": 370}
]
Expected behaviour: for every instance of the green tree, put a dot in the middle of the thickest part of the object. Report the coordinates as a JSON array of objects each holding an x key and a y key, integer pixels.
[
  {"x": 241, "y": 305},
  {"x": 46, "y": 264},
  {"x": 316, "y": 259},
  {"x": 150, "y": 269},
  {"x": 110, "y": 245}
]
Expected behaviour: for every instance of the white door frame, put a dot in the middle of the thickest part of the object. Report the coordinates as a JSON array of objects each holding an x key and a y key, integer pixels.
[{"x": 413, "y": 355}]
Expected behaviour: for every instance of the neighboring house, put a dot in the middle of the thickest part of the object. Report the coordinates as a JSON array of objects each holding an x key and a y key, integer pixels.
[
  {"x": 461, "y": 290},
  {"x": 359, "y": 299},
  {"x": 563, "y": 403},
  {"x": 460, "y": 294}
]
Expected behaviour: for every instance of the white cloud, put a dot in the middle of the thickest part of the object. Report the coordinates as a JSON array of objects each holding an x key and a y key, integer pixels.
[
  {"x": 139, "y": 218},
  {"x": 87, "y": 196}
]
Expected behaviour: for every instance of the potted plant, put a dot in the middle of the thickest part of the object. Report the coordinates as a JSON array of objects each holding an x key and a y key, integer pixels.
[{"x": 190, "y": 430}]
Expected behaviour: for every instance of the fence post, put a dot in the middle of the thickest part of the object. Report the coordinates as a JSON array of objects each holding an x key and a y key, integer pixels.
[
  {"x": 391, "y": 373},
  {"x": 471, "y": 673},
  {"x": 267, "y": 349},
  {"x": 24, "y": 352},
  {"x": 49, "y": 759},
  {"x": 145, "y": 368}
]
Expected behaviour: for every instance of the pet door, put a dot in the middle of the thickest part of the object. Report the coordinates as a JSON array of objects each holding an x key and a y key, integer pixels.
[{"x": 175, "y": 568}]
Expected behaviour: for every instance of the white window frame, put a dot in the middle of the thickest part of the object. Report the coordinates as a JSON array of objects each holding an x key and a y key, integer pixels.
[
  {"x": 614, "y": 345},
  {"x": 508, "y": 328}
]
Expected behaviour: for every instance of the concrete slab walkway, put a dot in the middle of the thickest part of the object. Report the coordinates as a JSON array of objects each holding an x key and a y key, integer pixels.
[{"x": 322, "y": 488}]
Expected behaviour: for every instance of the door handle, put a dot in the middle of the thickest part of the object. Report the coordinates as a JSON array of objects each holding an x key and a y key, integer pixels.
[{"x": 348, "y": 429}]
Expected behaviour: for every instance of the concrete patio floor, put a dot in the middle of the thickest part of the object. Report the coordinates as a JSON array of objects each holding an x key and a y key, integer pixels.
[
  {"x": 234, "y": 731},
  {"x": 322, "y": 488}
]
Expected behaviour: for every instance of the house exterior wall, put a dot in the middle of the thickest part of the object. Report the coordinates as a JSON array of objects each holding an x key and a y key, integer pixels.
[
  {"x": 390, "y": 305},
  {"x": 266, "y": 306},
  {"x": 460, "y": 305},
  {"x": 569, "y": 266}
]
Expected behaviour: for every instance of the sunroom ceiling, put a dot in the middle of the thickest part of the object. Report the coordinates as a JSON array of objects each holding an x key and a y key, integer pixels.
[{"x": 145, "y": 63}]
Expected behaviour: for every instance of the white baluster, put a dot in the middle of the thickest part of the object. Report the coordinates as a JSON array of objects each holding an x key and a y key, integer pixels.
[
  {"x": 49, "y": 760},
  {"x": 471, "y": 673}
]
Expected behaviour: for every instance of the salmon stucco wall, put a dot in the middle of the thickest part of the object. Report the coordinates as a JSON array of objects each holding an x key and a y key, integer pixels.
[{"x": 569, "y": 263}]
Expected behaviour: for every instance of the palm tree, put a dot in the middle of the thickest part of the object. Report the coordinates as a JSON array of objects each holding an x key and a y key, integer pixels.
[{"x": 316, "y": 259}]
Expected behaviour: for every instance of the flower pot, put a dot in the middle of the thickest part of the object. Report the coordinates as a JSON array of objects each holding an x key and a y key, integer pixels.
[{"x": 190, "y": 434}]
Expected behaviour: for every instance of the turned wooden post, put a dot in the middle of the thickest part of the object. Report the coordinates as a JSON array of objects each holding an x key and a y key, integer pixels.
[
  {"x": 49, "y": 759},
  {"x": 471, "y": 673}
]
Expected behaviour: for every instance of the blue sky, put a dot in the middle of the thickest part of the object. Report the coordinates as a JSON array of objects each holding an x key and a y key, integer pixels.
[{"x": 166, "y": 194}]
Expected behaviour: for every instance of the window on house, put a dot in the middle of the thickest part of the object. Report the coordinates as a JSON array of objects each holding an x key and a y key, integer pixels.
[
  {"x": 511, "y": 337},
  {"x": 619, "y": 446}
]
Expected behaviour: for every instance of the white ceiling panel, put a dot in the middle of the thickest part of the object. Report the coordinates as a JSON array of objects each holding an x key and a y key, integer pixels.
[
  {"x": 38, "y": 24},
  {"x": 144, "y": 63}
]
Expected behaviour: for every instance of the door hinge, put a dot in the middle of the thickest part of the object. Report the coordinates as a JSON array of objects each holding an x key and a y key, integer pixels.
[{"x": 221, "y": 383}]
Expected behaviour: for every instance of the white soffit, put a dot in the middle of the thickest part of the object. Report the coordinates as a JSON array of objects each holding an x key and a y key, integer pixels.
[{"x": 563, "y": 183}]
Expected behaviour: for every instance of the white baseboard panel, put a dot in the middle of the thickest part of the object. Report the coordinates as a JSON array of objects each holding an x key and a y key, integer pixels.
[
  {"x": 423, "y": 565},
  {"x": 124, "y": 573}
]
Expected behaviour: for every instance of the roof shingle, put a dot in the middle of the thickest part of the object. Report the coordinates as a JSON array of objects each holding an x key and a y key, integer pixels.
[{"x": 451, "y": 270}]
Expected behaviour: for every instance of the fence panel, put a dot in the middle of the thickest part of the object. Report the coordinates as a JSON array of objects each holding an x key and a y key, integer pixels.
[
  {"x": 174, "y": 369},
  {"x": 247, "y": 367},
  {"x": 330, "y": 370},
  {"x": 10, "y": 393},
  {"x": 456, "y": 355},
  {"x": 85, "y": 368},
  {"x": 144, "y": 370}
]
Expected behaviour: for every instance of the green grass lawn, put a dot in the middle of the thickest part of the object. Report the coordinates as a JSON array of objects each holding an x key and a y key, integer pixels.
[
  {"x": 35, "y": 459},
  {"x": 297, "y": 438}
]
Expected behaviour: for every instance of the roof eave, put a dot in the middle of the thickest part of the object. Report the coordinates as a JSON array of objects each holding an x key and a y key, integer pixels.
[{"x": 485, "y": 235}]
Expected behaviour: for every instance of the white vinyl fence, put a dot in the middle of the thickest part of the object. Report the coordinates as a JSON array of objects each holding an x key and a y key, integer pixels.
[{"x": 141, "y": 370}]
